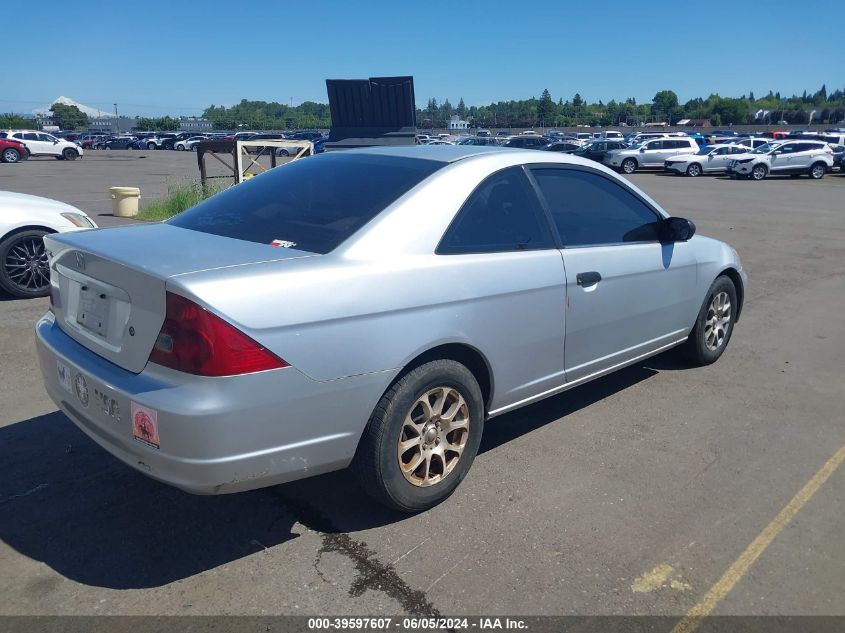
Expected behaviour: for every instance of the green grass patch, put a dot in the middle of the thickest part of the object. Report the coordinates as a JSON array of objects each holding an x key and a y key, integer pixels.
[{"x": 180, "y": 196}]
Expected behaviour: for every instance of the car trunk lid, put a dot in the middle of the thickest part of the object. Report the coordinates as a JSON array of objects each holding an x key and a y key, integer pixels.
[{"x": 109, "y": 285}]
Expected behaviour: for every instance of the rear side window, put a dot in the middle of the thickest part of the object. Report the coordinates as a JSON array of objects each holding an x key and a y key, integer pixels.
[
  {"x": 313, "y": 203},
  {"x": 502, "y": 214},
  {"x": 589, "y": 209}
]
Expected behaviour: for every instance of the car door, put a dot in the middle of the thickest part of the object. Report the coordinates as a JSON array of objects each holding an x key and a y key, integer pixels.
[
  {"x": 651, "y": 154},
  {"x": 718, "y": 159},
  {"x": 500, "y": 248},
  {"x": 781, "y": 158},
  {"x": 50, "y": 143},
  {"x": 627, "y": 294}
]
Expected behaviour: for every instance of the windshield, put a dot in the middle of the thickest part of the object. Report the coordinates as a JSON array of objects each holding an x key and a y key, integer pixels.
[
  {"x": 765, "y": 149},
  {"x": 314, "y": 204}
]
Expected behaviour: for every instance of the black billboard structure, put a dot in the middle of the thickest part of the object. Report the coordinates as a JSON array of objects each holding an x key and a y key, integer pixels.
[{"x": 374, "y": 111}]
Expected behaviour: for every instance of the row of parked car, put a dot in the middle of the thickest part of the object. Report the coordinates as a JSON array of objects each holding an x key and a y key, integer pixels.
[
  {"x": 722, "y": 151},
  {"x": 187, "y": 141}
]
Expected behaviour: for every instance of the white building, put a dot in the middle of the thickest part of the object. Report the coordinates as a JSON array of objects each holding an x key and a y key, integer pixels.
[
  {"x": 455, "y": 123},
  {"x": 194, "y": 124}
]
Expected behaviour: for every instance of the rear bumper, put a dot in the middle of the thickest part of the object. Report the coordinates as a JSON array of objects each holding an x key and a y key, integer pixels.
[{"x": 215, "y": 435}]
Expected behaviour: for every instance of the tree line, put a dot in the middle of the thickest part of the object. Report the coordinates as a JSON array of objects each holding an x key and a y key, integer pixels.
[{"x": 543, "y": 112}]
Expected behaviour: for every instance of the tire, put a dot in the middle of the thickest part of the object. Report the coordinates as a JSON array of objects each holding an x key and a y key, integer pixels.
[
  {"x": 180, "y": 148},
  {"x": 70, "y": 154},
  {"x": 817, "y": 171},
  {"x": 711, "y": 333},
  {"x": 151, "y": 146},
  {"x": 21, "y": 249},
  {"x": 378, "y": 462},
  {"x": 694, "y": 170},
  {"x": 629, "y": 165},
  {"x": 759, "y": 172},
  {"x": 284, "y": 152},
  {"x": 11, "y": 155}
]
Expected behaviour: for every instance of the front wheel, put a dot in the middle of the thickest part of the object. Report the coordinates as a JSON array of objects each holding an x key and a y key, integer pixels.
[
  {"x": 25, "y": 272},
  {"x": 713, "y": 327},
  {"x": 422, "y": 437},
  {"x": 180, "y": 148},
  {"x": 694, "y": 170},
  {"x": 70, "y": 154},
  {"x": 629, "y": 165},
  {"x": 759, "y": 172}
]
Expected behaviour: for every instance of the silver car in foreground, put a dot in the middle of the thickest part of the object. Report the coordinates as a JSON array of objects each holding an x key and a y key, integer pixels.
[{"x": 372, "y": 308}]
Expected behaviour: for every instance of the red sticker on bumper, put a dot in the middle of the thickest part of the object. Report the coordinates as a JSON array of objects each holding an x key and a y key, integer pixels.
[{"x": 145, "y": 425}]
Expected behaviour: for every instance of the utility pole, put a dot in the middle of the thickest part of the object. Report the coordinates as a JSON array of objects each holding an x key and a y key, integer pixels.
[{"x": 116, "y": 119}]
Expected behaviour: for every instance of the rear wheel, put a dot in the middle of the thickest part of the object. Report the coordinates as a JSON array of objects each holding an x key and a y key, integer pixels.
[
  {"x": 629, "y": 165},
  {"x": 11, "y": 155},
  {"x": 25, "y": 271},
  {"x": 817, "y": 171},
  {"x": 70, "y": 154},
  {"x": 759, "y": 172},
  {"x": 713, "y": 327},
  {"x": 422, "y": 437},
  {"x": 694, "y": 170}
]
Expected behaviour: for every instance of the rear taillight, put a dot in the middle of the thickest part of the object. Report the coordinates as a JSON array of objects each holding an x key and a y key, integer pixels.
[{"x": 195, "y": 341}]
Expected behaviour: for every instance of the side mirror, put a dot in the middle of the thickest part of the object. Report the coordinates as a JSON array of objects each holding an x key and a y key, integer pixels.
[{"x": 676, "y": 230}]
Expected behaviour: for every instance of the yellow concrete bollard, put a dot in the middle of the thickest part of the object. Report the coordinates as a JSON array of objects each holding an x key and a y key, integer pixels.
[{"x": 125, "y": 201}]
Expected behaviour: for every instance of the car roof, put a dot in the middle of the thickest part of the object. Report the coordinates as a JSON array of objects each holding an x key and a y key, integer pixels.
[{"x": 441, "y": 153}]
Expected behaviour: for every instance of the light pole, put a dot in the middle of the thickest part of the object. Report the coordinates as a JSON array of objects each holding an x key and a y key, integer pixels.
[{"x": 116, "y": 119}]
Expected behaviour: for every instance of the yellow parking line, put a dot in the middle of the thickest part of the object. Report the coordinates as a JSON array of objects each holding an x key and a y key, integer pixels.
[{"x": 741, "y": 565}]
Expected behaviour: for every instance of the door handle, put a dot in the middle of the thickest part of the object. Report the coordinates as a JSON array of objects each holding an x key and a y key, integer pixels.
[{"x": 588, "y": 279}]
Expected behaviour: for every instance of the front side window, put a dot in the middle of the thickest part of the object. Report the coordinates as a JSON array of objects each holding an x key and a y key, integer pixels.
[
  {"x": 46, "y": 137},
  {"x": 655, "y": 145},
  {"x": 501, "y": 215},
  {"x": 590, "y": 209}
]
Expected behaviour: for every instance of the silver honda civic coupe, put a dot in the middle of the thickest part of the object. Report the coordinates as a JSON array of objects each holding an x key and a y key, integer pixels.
[{"x": 370, "y": 308}]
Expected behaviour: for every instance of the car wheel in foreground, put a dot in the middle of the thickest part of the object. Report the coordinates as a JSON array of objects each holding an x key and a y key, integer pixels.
[
  {"x": 629, "y": 165},
  {"x": 11, "y": 155},
  {"x": 422, "y": 437},
  {"x": 694, "y": 170},
  {"x": 714, "y": 325},
  {"x": 817, "y": 171},
  {"x": 25, "y": 270},
  {"x": 180, "y": 148},
  {"x": 759, "y": 172},
  {"x": 151, "y": 146},
  {"x": 70, "y": 154}
]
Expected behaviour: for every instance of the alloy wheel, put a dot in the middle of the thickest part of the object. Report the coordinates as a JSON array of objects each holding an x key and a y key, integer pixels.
[
  {"x": 759, "y": 172},
  {"x": 10, "y": 155},
  {"x": 718, "y": 320},
  {"x": 817, "y": 171},
  {"x": 26, "y": 264},
  {"x": 433, "y": 436},
  {"x": 694, "y": 170}
]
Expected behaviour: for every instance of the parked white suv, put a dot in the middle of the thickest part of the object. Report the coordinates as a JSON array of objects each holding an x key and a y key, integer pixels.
[
  {"x": 814, "y": 158},
  {"x": 43, "y": 144},
  {"x": 709, "y": 159},
  {"x": 649, "y": 154}
]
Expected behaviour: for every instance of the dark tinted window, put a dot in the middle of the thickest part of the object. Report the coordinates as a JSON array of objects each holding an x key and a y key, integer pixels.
[
  {"x": 655, "y": 145},
  {"x": 315, "y": 203},
  {"x": 502, "y": 214},
  {"x": 789, "y": 148},
  {"x": 590, "y": 209}
]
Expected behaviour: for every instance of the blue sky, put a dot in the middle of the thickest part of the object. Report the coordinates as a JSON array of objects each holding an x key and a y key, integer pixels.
[{"x": 160, "y": 59}]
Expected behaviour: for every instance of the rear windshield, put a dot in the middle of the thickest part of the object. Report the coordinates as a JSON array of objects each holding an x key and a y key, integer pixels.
[{"x": 312, "y": 204}]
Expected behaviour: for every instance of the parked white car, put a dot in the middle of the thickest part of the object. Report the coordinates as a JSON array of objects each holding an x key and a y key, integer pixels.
[
  {"x": 43, "y": 144},
  {"x": 649, "y": 154},
  {"x": 189, "y": 143},
  {"x": 24, "y": 221},
  {"x": 814, "y": 158},
  {"x": 749, "y": 143},
  {"x": 709, "y": 159}
]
